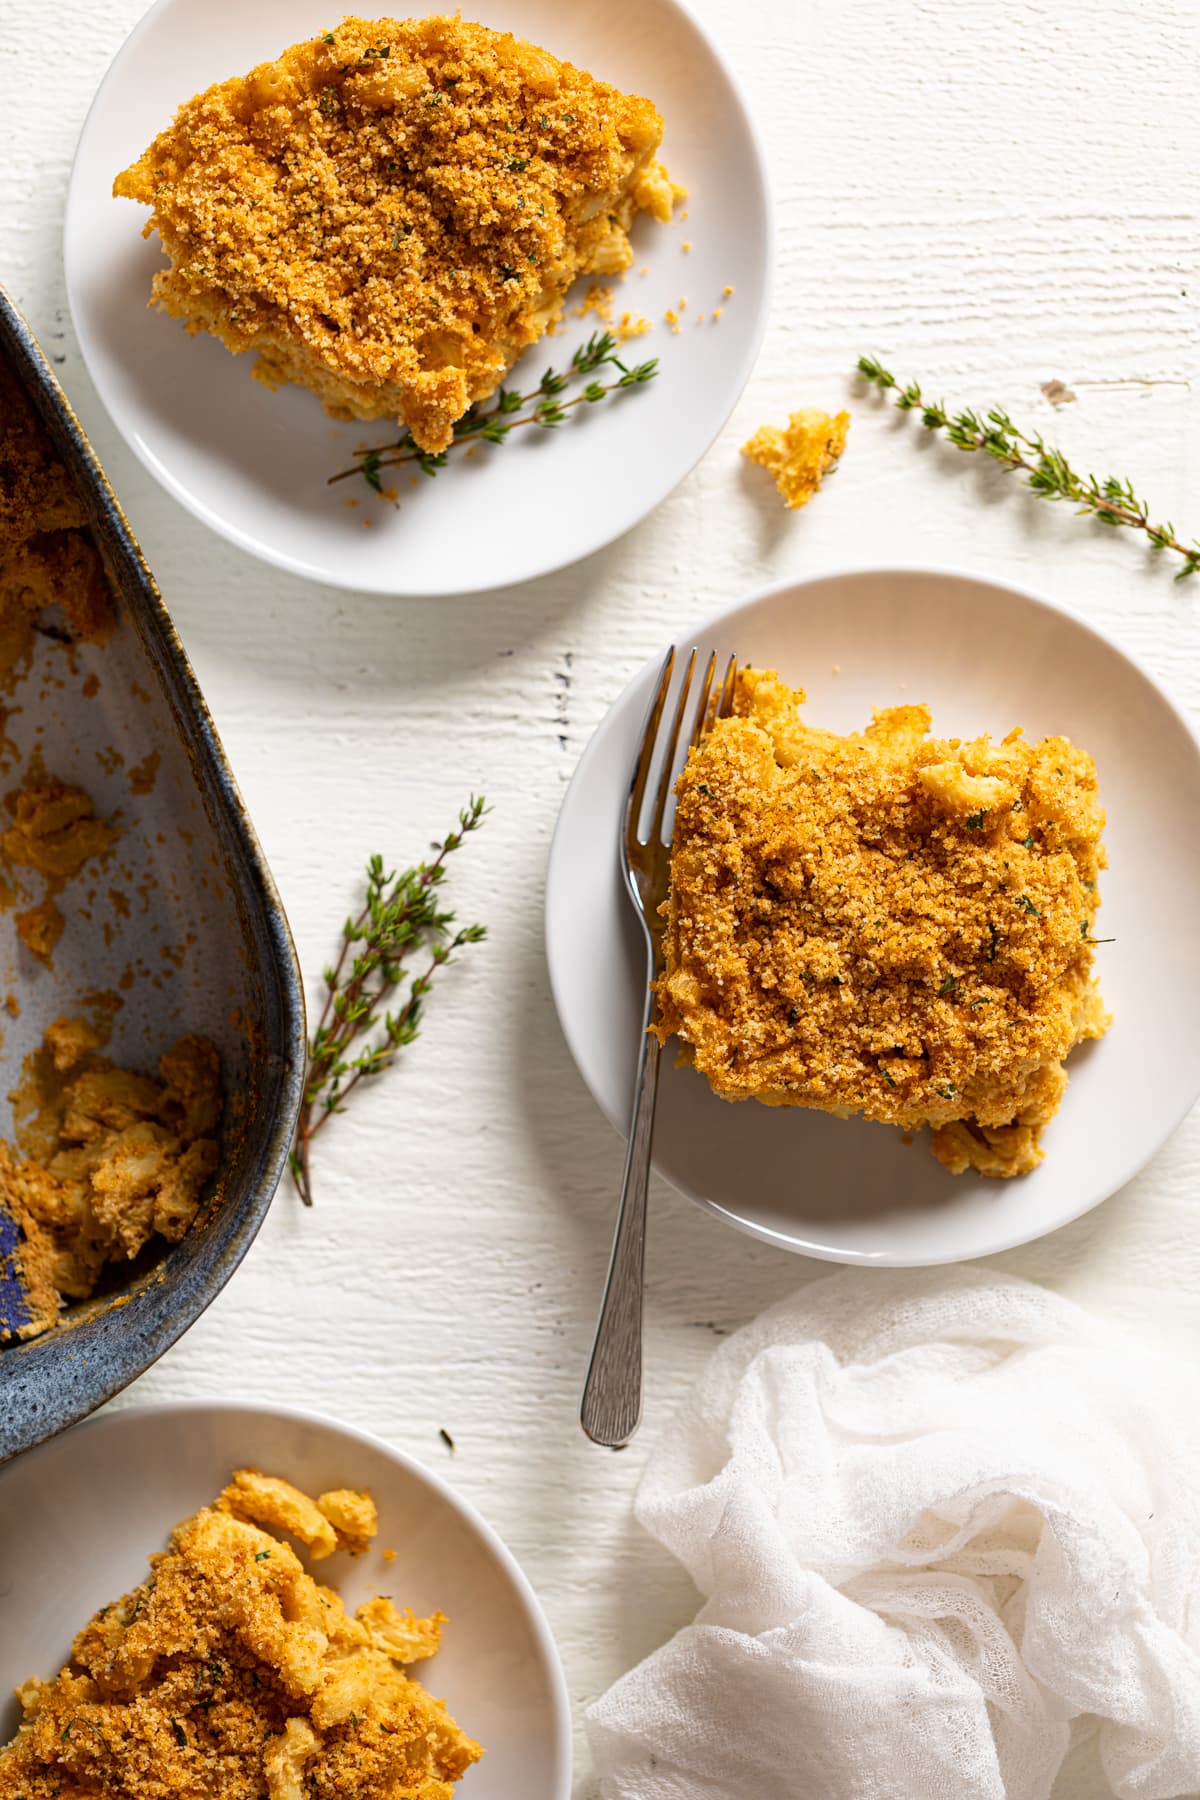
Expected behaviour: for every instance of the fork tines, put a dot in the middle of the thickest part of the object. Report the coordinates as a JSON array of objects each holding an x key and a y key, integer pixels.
[{"x": 662, "y": 746}]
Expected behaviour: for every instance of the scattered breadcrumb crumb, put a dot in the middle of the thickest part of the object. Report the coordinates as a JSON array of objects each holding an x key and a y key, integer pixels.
[{"x": 801, "y": 455}]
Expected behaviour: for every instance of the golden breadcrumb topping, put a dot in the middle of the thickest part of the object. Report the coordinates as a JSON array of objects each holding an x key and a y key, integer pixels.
[
  {"x": 128, "y": 1158},
  {"x": 47, "y": 557},
  {"x": 392, "y": 211},
  {"x": 885, "y": 923},
  {"x": 231, "y": 1672},
  {"x": 801, "y": 455}
]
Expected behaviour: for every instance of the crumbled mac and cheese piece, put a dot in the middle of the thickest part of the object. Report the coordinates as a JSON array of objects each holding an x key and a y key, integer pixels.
[
  {"x": 269, "y": 1501},
  {"x": 232, "y": 1672},
  {"x": 353, "y": 1517},
  {"x": 885, "y": 923},
  {"x": 391, "y": 212},
  {"x": 54, "y": 829},
  {"x": 401, "y": 1635},
  {"x": 802, "y": 454}
]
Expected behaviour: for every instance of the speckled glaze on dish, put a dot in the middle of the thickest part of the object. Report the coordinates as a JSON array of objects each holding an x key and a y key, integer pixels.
[{"x": 196, "y": 941}]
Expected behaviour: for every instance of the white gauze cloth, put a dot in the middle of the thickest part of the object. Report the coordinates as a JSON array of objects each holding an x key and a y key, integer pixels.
[{"x": 944, "y": 1524}]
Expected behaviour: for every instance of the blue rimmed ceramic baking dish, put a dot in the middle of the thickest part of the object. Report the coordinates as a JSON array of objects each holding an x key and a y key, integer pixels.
[{"x": 185, "y": 933}]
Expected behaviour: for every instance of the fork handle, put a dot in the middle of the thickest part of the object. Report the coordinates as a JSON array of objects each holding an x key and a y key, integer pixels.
[{"x": 612, "y": 1393}]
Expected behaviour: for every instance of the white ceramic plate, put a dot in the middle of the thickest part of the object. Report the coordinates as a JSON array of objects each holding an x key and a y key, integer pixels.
[
  {"x": 985, "y": 657},
  {"x": 79, "y": 1517},
  {"x": 254, "y": 465}
]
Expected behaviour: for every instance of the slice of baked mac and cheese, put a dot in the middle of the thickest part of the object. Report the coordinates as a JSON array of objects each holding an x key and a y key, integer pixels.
[
  {"x": 392, "y": 211},
  {"x": 885, "y": 923}
]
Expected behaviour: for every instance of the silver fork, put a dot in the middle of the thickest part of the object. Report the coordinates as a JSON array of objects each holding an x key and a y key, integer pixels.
[{"x": 612, "y": 1393}]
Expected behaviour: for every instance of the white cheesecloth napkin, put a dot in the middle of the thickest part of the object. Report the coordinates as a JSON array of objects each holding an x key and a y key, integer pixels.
[{"x": 944, "y": 1523}]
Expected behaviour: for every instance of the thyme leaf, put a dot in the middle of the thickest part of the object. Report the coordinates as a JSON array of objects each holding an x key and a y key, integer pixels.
[
  {"x": 495, "y": 422},
  {"x": 358, "y": 1035},
  {"x": 1112, "y": 500}
]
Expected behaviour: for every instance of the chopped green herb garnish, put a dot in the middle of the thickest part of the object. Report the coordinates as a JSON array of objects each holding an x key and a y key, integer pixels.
[
  {"x": 261, "y": 1555},
  {"x": 1026, "y": 905},
  {"x": 948, "y": 985},
  {"x": 975, "y": 820},
  {"x": 947, "y": 1092},
  {"x": 886, "y": 1076},
  {"x": 328, "y": 38},
  {"x": 516, "y": 164},
  {"x": 1027, "y": 843},
  {"x": 179, "y": 1734}
]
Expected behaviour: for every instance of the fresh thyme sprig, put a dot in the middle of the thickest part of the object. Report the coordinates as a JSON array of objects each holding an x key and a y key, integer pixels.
[
  {"x": 399, "y": 920},
  {"x": 1046, "y": 469},
  {"x": 492, "y": 424}
]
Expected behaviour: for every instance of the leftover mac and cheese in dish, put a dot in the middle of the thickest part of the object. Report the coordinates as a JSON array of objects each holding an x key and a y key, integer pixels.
[
  {"x": 125, "y": 1157},
  {"x": 392, "y": 211},
  {"x": 231, "y": 1672},
  {"x": 885, "y": 923}
]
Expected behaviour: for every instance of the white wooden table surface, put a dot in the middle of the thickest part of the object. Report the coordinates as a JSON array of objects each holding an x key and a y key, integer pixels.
[{"x": 993, "y": 197}]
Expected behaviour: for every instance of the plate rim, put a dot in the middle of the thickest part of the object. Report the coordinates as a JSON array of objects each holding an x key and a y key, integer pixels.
[
  {"x": 111, "y": 1417},
  {"x": 710, "y": 626},
  {"x": 278, "y": 557}
]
